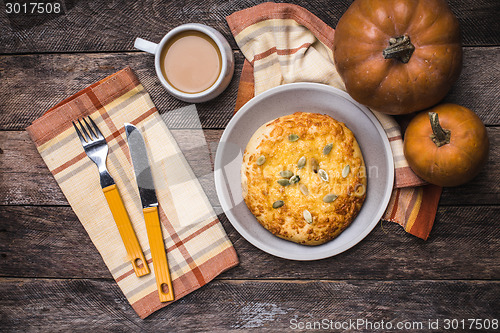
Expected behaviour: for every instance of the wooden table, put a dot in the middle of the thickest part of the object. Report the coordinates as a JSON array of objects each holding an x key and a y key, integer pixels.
[{"x": 53, "y": 279}]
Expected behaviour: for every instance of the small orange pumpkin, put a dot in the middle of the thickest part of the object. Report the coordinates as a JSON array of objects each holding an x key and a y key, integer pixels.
[
  {"x": 446, "y": 145},
  {"x": 398, "y": 56}
]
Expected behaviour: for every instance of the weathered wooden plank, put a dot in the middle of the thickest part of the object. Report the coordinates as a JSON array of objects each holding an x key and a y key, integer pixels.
[
  {"x": 113, "y": 26},
  {"x": 33, "y": 305},
  {"x": 31, "y": 84},
  {"x": 27, "y": 181},
  {"x": 50, "y": 242}
]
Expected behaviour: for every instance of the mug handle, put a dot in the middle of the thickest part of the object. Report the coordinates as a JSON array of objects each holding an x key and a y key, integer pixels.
[{"x": 145, "y": 45}]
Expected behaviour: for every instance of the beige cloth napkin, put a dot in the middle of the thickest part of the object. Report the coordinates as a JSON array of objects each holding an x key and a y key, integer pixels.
[
  {"x": 285, "y": 43},
  {"x": 197, "y": 246}
]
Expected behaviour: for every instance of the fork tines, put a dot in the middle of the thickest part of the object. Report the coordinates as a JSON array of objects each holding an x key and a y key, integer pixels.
[{"x": 90, "y": 133}]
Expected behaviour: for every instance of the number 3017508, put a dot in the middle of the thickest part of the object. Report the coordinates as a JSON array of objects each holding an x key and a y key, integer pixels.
[
  {"x": 471, "y": 324},
  {"x": 32, "y": 8}
]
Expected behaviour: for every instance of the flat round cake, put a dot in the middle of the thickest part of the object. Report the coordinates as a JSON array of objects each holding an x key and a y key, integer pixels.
[{"x": 303, "y": 177}]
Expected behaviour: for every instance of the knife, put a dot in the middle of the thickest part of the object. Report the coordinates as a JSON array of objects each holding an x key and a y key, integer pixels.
[{"x": 149, "y": 202}]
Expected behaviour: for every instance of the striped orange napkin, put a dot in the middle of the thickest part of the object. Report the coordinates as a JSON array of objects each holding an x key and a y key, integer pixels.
[
  {"x": 285, "y": 43},
  {"x": 197, "y": 246}
]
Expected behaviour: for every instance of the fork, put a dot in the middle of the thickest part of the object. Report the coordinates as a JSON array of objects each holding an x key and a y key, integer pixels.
[{"x": 95, "y": 146}]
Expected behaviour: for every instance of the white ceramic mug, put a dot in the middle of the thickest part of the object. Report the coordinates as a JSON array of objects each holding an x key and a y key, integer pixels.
[{"x": 227, "y": 68}]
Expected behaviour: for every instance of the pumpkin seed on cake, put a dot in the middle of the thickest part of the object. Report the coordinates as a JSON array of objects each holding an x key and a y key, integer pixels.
[{"x": 303, "y": 177}]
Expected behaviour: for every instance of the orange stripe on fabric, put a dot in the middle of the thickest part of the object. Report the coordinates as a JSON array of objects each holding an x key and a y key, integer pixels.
[
  {"x": 246, "y": 88},
  {"x": 186, "y": 239},
  {"x": 413, "y": 208},
  {"x": 62, "y": 114},
  {"x": 243, "y": 19},
  {"x": 108, "y": 138},
  {"x": 111, "y": 125},
  {"x": 54, "y": 123},
  {"x": 406, "y": 178},
  {"x": 211, "y": 268},
  {"x": 414, "y": 194},
  {"x": 69, "y": 163},
  {"x": 115, "y": 86},
  {"x": 85, "y": 90},
  {"x": 263, "y": 55},
  {"x": 272, "y": 50},
  {"x": 151, "y": 303},
  {"x": 94, "y": 100},
  {"x": 425, "y": 218},
  {"x": 395, "y": 205},
  {"x": 179, "y": 244},
  {"x": 201, "y": 230},
  {"x": 130, "y": 272},
  {"x": 395, "y": 138},
  {"x": 142, "y": 117}
]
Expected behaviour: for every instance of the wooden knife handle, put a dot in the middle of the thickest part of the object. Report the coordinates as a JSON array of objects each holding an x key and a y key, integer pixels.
[
  {"x": 126, "y": 230},
  {"x": 159, "y": 255}
]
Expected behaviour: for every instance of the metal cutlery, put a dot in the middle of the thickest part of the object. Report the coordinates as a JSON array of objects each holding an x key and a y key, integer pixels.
[
  {"x": 149, "y": 202},
  {"x": 95, "y": 146}
]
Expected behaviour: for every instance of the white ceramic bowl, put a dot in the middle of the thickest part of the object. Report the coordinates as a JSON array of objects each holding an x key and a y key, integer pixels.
[
  {"x": 226, "y": 52},
  {"x": 307, "y": 97}
]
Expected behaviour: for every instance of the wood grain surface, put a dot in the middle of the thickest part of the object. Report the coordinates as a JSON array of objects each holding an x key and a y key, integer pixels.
[
  {"x": 104, "y": 26},
  {"x": 48, "y": 235},
  {"x": 20, "y": 163},
  {"x": 54, "y": 77},
  {"x": 263, "y": 306},
  {"x": 53, "y": 279}
]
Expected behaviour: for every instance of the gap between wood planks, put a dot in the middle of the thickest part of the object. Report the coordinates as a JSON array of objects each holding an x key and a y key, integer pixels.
[
  {"x": 31, "y": 184},
  {"x": 55, "y": 77},
  {"x": 5, "y": 279}
]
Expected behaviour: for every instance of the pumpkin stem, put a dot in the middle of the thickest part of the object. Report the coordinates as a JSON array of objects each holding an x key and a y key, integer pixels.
[
  {"x": 400, "y": 48},
  {"x": 439, "y": 136}
]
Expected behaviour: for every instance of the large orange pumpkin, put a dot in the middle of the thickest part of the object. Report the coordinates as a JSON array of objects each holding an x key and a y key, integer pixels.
[
  {"x": 446, "y": 145},
  {"x": 398, "y": 56}
]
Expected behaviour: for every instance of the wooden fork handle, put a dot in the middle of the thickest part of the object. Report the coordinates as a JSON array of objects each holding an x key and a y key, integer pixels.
[
  {"x": 159, "y": 255},
  {"x": 126, "y": 230}
]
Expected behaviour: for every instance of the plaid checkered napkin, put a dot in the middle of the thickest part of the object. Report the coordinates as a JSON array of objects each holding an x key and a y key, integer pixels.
[
  {"x": 285, "y": 43},
  {"x": 197, "y": 246}
]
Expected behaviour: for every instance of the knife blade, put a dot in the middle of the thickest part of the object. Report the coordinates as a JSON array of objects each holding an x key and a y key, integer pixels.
[{"x": 149, "y": 200}]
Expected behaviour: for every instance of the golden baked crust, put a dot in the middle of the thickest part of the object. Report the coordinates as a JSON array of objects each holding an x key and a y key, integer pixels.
[{"x": 280, "y": 151}]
